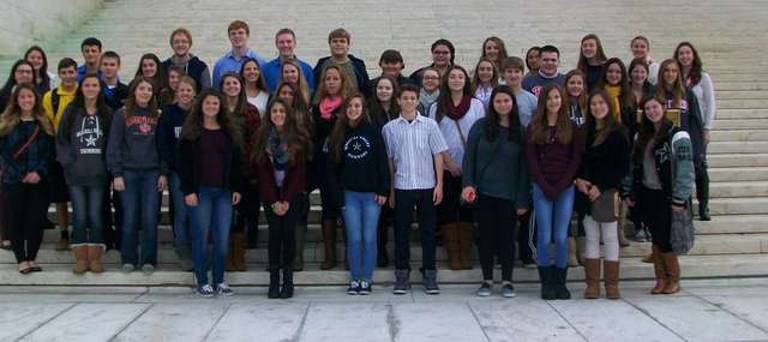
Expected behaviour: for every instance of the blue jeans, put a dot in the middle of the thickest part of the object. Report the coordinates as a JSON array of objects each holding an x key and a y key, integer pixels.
[
  {"x": 213, "y": 214},
  {"x": 180, "y": 222},
  {"x": 361, "y": 218},
  {"x": 552, "y": 220},
  {"x": 140, "y": 201},
  {"x": 87, "y": 223}
]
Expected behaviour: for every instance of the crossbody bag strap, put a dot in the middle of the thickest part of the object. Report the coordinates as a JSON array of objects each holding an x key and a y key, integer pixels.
[{"x": 26, "y": 145}]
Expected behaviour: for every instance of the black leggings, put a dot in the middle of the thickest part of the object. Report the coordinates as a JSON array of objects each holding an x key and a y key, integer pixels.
[
  {"x": 282, "y": 234},
  {"x": 247, "y": 211},
  {"x": 26, "y": 206},
  {"x": 497, "y": 222},
  {"x": 656, "y": 212}
]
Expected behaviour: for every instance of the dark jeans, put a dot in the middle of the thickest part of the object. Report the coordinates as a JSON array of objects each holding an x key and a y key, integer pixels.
[
  {"x": 113, "y": 224},
  {"x": 140, "y": 204},
  {"x": 405, "y": 201},
  {"x": 213, "y": 214},
  {"x": 497, "y": 223},
  {"x": 178, "y": 212},
  {"x": 655, "y": 209},
  {"x": 282, "y": 234},
  {"x": 247, "y": 211},
  {"x": 26, "y": 206},
  {"x": 87, "y": 224},
  {"x": 450, "y": 209}
]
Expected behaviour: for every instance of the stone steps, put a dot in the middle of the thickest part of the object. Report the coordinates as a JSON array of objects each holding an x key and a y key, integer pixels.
[
  {"x": 745, "y": 136},
  {"x": 740, "y": 114},
  {"x": 738, "y": 189},
  {"x": 737, "y": 160},
  {"x": 708, "y": 266},
  {"x": 742, "y": 147},
  {"x": 735, "y": 174},
  {"x": 741, "y": 124},
  {"x": 738, "y": 206}
]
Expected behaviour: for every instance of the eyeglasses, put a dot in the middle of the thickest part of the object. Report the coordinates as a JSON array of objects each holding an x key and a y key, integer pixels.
[
  {"x": 440, "y": 52},
  {"x": 430, "y": 78}
]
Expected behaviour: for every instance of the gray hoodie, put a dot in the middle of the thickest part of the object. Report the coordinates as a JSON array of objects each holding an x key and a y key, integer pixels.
[
  {"x": 80, "y": 149},
  {"x": 132, "y": 144}
]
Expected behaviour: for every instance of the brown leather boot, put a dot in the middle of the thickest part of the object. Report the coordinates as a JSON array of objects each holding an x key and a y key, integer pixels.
[
  {"x": 450, "y": 234},
  {"x": 673, "y": 273},
  {"x": 465, "y": 242},
  {"x": 592, "y": 277},
  {"x": 94, "y": 258},
  {"x": 329, "y": 244},
  {"x": 659, "y": 269},
  {"x": 81, "y": 259},
  {"x": 611, "y": 269},
  {"x": 238, "y": 251}
]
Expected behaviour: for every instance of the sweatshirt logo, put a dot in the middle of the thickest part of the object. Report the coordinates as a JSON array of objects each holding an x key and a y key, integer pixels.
[
  {"x": 88, "y": 136},
  {"x": 145, "y": 124},
  {"x": 357, "y": 147}
]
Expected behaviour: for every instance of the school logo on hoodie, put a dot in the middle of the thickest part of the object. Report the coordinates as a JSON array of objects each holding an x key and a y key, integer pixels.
[
  {"x": 357, "y": 147},
  {"x": 90, "y": 136}
]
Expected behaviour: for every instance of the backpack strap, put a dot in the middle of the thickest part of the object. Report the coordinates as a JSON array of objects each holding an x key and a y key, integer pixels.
[{"x": 55, "y": 100}]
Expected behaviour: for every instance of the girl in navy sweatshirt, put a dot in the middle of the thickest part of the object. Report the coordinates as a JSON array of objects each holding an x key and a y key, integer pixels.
[
  {"x": 139, "y": 174},
  {"x": 81, "y": 144},
  {"x": 359, "y": 164},
  {"x": 209, "y": 170}
]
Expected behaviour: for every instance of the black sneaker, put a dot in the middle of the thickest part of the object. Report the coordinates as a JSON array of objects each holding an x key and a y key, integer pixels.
[
  {"x": 507, "y": 290},
  {"x": 484, "y": 290},
  {"x": 354, "y": 288},
  {"x": 365, "y": 288},
  {"x": 430, "y": 282},
  {"x": 401, "y": 282}
]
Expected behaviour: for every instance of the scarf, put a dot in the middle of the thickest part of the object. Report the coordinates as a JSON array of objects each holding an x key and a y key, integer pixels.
[
  {"x": 615, "y": 93},
  {"x": 427, "y": 99},
  {"x": 277, "y": 149},
  {"x": 458, "y": 112},
  {"x": 328, "y": 105}
]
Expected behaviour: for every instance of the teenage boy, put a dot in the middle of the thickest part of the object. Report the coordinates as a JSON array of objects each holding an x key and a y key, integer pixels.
[
  {"x": 512, "y": 71},
  {"x": 181, "y": 42},
  {"x": 285, "y": 42},
  {"x": 54, "y": 103},
  {"x": 115, "y": 92},
  {"x": 414, "y": 147},
  {"x": 549, "y": 61},
  {"x": 339, "y": 41},
  {"x": 391, "y": 64},
  {"x": 91, "y": 50},
  {"x": 238, "y": 32}
]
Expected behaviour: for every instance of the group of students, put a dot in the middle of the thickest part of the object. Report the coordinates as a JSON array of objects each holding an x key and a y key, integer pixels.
[{"x": 474, "y": 154}]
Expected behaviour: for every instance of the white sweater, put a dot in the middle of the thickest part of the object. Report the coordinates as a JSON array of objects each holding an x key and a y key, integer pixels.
[
  {"x": 705, "y": 94},
  {"x": 451, "y": 133}
]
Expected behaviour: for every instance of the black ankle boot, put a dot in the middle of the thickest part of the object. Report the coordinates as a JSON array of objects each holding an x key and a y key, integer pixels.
[
  {"x": 274, "y": 284},
  {"x": 287, "y": 290}
]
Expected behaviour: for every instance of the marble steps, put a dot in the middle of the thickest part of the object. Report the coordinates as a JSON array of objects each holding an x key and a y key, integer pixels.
[
  {"x": 739, "y": 135},
  {"x": 738, "y": 160},
  {"x": 745, "y": 148},
  {"x": 693, "y": 267},
  {"x": 737, "y": 174}
]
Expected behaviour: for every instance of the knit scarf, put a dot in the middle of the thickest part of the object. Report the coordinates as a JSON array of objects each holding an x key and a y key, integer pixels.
[
  {"x": 427, "y": 99},
  {"x": 458, "y": 112},
  {"x": 328, "y": 105},
  {"x": 277, "y": 149},
  {"x": 615, "y": 93}
]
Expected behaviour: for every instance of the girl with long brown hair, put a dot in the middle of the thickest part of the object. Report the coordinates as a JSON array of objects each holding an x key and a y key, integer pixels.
[{"x": 591, "y": 60}]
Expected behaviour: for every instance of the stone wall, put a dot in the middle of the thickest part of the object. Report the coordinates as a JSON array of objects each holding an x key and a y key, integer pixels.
[{"x": 24, "y": 21}]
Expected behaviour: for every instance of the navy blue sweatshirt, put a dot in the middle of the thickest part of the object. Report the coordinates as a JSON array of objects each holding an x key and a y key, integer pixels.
[
  {"x": 168, "y": 132},
  {"x": 364, "y": 165}
]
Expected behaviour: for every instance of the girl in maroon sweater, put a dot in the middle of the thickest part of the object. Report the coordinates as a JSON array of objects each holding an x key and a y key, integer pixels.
[
  {"x": 553, "y": 151},
  {"x": 279, "y": 154}
]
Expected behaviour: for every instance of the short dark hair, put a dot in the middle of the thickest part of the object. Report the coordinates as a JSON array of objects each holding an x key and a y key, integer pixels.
[
  {"x": 66, "y": 62},
  {"x": 90, "y": 41},
  {"x": 110, "y": 54},
  {"x": 408, "y": 88},
  {"x": 549, "y": 48},
  {"x": 391, "y": 56}
]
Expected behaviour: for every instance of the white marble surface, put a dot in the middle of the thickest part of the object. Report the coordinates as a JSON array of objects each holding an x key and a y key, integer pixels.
[
  {"x": 88, "y": 322},
  {"x": 264, "y": 322},
  {"x": 19, "y": 319},
  {"x": 174, "y": 322}
]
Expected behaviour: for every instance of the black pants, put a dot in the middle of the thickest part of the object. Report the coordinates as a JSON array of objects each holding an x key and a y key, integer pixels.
[
  {"x": 282, "y": 234},
  {"x": 655, "y": 209},
  {"x": 112, "y": 230},
  {"x": 702, "y": 183},
  {"x": 405, "y": 201},
  {"x": 27, "y": 206},
  {"x": 525, "y": 234},
  {"x": 450, "y": 209},
  {"x": 497, "y": 222},
  {"x": 247, "y": 211}
]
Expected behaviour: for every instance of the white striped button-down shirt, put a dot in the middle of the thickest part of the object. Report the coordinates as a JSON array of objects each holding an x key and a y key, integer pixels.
[{"x": 412, "y": 146}]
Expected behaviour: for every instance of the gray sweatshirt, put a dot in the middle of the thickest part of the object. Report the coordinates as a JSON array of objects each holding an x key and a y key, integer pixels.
[
  {"x": 80, "y": 149},
  {"x": 132, "y": 144}
]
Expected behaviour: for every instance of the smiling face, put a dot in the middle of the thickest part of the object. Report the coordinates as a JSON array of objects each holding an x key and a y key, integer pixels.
[
  {"x": 613, "y": 74},
  {"x": 286, "y": 44},
  {"x": 408, "y": 100},
  {"x": 290, "y": 74},
  {"x": 589, "y": 48},
  {"x": 68, "y": 76},
  {"x": 513, "y": 77},
  {"x": 391, "y": 69},
  {"x": 639, "y": 48},
  {"x": 485, "y": 71},
  {"x": 36, "y": 59},
  {"x": 355, "y": 109},
  {"x": 654, "y": 111},
  {"x": 384, "y": 90},
  {"x": 549, "y": 62},
  {"x": 339, "y": 47},
  {"x": 173, "y": 79},
  {"x": 575, "y": 86},
  {"x": 277, "y": 115},
  {"x": 491, "y": 50},
  {"x": 91, "y": 88},
  {"x": 430, "y": 80},
  {"x": 185, "y": 94},
  {"x": 251, "y": 71},
  {"x": 598, "y": 107},
  {"x": 26, "y": 100},
  {"x": 639, "y": 75},
  {"x": 231, "y": 87},
  {"x": 532, "y": 59},
  {"x": 554, "y": 101},
  {"x": 23, "y": 74},
  {"x": 456, "y": 80},
  {"x": 685, "y": 56},
  {"x": 441, "y": 55},
  {"x": 502, "y": 104},
  {"x": 180, "y": 44},
  {"x": 148, "y": 68},
  {"x": 238, "y": 38},
  {"x": 143, "y": 93},
  {"x": 671, "y": 74},
  {"x": 332, "y": 81},
  {"x": 286, "y": 93},
  {"x": 210, "y": 107}
]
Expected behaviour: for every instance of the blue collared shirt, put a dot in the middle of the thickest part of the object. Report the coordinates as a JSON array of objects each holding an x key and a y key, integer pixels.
[
  {"x": 271, "y": 72},
  {"x": 82, "y": 70},
  {"x": 228, "y": 63}
]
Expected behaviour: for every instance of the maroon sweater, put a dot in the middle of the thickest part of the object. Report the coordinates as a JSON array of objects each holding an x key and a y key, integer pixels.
[
  {"x": 553, "y": 166},
  {"x": 294, "y": 183}
]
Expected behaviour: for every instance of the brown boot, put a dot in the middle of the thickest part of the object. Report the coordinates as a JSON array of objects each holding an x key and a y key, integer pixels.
[
  {"x": 81, "y": 259},
  {"x": 450, "y": 233},
  {"x": 611, "y": 269},
  {"x": 94, "y": 258},
  {"x": 329, "y": 244},
  {"x": 592, "y": 277},
  {"x": 659, "y": 269},
  {"x": 573, "y": 261},
  {"x": 465, "y": 242},
  {"x": 238, "y": 251},
  {"x": 673, "y": 273}
]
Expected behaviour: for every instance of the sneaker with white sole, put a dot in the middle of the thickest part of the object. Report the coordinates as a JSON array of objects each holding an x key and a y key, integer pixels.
[
  {"x": 485, "y": 289},
  {"x": 128, "y": 268},
  {"x": 206, "y": 291},
  {"x": 354, "y": 288},
  {"x": 365, "y": 287},
  {"x": 224, "y": 290},
  {"x": 508, "y": 291}
]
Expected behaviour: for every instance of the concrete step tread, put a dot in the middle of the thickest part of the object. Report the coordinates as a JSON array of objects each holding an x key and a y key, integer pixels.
[
  {"x": 733, "y": 223},
  {"x": 631, "y": 268}
]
